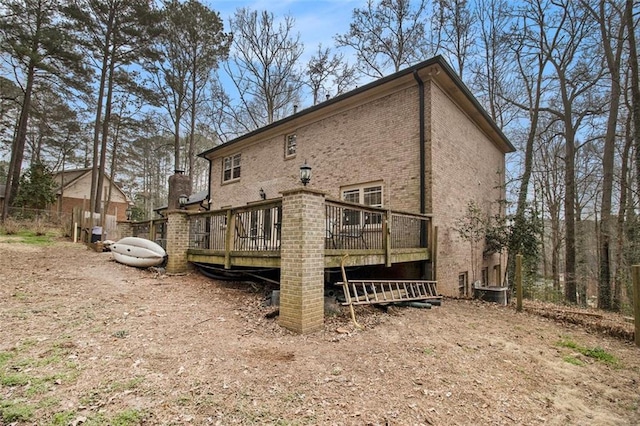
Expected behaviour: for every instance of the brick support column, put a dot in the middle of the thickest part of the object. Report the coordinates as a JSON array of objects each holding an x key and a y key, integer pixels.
[
  {"x": 177, "y": 241},
  {"x": 302, "y": 260},
  {"x": 124, "y": 229}
]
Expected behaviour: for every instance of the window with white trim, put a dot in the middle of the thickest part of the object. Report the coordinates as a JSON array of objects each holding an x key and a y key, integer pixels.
[
  {"x": 290, "y": 145},
  {"x": 367, "y": 194},
  {"x": 231, "y": 168}
]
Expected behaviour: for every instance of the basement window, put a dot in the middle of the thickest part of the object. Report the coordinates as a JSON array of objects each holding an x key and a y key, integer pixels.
[{"x": 463, "y": 283}]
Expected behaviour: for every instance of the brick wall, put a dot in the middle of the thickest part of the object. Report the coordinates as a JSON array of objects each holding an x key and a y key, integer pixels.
[
  {"x": 465, "y": 166},
  {"x": 177, "y": 241},
  {"x": 302, "y": 261},
  {"x": 377, "y": 139}
]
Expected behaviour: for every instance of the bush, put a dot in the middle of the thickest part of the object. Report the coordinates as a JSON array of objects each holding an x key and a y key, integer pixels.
[{"x": 11, "y": 226}]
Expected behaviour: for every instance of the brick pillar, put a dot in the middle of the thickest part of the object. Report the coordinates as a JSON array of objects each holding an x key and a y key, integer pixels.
[
  {"x": 177, "y": 241},
  {"x": 302, "y": 260},
  {"x": 124, "y": 229}
]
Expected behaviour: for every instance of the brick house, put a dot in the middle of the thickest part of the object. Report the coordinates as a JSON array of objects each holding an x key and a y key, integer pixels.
[
  {"x": 416, "y": 141},
  {"x": 74, "y": 190}
]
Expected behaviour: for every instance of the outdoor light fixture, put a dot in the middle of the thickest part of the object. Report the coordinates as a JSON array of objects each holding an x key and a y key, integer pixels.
[
  {"x": 182, "y": 201},
  {"x": 263, "y": 195},
  {"x": 305, "y": 173}
]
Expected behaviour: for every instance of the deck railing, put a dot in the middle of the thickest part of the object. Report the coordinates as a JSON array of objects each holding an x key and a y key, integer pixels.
[
  {"x": 154, "y": 230},
  {"x": 255, "y": 230},
  {"x": 409, "y": 230},
  {"x": 254, "y": 227},
  {"x": 353, "y": 226},
  {"x": 350, "y": 226}
]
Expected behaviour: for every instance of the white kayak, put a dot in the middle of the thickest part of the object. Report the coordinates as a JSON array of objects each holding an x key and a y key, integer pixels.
[{"x": 139, "y": 252}]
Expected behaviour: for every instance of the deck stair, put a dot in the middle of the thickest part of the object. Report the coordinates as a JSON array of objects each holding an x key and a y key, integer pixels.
[{"x": 369, "y": 292}]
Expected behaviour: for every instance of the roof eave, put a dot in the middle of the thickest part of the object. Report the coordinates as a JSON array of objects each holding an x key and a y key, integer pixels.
[{"x": 436, "y": 60}]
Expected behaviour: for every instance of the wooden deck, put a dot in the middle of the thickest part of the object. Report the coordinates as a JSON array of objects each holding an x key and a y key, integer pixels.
[{"x": 250, "y": 236}]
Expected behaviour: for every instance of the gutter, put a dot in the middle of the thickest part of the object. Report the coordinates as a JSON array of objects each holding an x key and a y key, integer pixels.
[
  {"x": 436, "y": 60},
  {"x": 423, "y": 207},
  {"x": 208, "y": 199}
]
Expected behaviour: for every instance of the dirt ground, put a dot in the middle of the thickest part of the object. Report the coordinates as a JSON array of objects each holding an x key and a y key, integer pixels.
[{"x": 85, "y": 340}]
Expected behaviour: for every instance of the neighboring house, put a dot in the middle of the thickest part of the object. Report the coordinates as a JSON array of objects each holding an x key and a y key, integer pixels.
[
  {"x": 74, "y": 190},
  {"x": 416, "y": 141}
]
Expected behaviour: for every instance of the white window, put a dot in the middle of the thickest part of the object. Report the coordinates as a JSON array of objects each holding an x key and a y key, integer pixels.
[
  {"x": 368, "y": 194},
  {"x": 290, "y": 145},
  {"x": 231, "y": 168}
]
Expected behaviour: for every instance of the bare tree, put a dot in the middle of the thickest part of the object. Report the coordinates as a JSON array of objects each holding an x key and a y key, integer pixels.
[
  {"x": 452, "y": 21},
  {"x": 635, "y": 86},
  {"x": 329, "y": 73},
  {"x": 387, "y": 35},
  {"x": 192, "y": 43},
  {"x": 575, "y": 73},
  {"x": 494, "y": 60},
  {"x": 530, "y": 79},
  {"x": 263, "y": 66},
  {"x": 610, "y": 17},
  {"x": 549, "y": 178}
]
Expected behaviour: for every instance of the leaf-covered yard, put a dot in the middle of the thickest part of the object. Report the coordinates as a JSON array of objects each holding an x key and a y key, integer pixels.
[{"x": 85, "y": 340}]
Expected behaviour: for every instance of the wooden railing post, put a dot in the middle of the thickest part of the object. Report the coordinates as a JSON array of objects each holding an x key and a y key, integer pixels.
[
  {"x": 152, "y": 230},
  {"x": 228, "y": 239},
  {"x": 386, "y": 237}
]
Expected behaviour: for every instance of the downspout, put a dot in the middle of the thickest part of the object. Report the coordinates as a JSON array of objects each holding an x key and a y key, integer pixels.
[
  {"x": 423, "y": 207},
  {"x": 208, "y": 199}
]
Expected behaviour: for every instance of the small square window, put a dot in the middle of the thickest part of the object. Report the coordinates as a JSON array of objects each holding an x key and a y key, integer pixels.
[
  {"x": 231, "y": 168},
  {"x": 291, "y": 145}
]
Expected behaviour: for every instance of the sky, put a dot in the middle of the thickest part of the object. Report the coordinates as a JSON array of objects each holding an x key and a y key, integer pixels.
[{"x": 317, "y": 21}]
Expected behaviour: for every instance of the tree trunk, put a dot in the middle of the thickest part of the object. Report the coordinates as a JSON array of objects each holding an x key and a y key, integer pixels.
[
  {"x": 606, "y": 223},
  {"x": 176, "y": 139},
  {"x": 106, "y": 122},
  {"x": 616, "y": 295},
  {"x": 635, "y": 87},
  {"x": 569, "y": 212},
  {"x": 95, "y": 196},
  {"x": 17, "y": 151}
]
